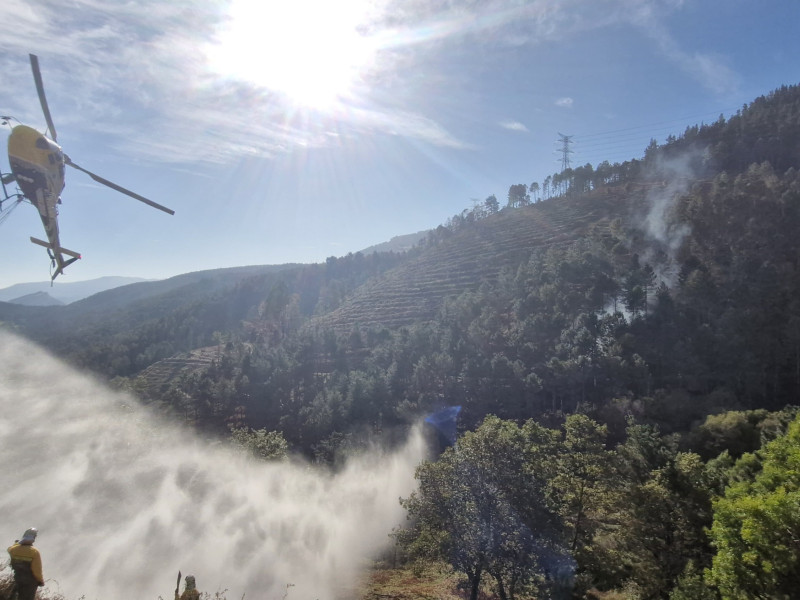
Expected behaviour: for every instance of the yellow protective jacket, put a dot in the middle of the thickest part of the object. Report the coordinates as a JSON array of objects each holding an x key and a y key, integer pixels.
[{"x": 25, "y": 555}]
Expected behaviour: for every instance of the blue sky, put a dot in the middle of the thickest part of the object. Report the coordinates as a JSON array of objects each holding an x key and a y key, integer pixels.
[{"x": 293, "y": 131}]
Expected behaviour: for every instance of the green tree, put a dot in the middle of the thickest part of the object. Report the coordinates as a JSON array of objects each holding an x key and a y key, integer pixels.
[
  {"x": 263, "y": 444},
  {"x": 756, "y": 527},
  {"x": 534, "y": 189},
  {"x": 665, "y": 521},
  {"x": 491, "y": 204},
  {"x": 691, "y": 586},
  {"x": 481, "y": 507},
  {"x": 518, "y": 196},
  {"x": 734, "y": 431},
  {"x": 583, "y": 478}
]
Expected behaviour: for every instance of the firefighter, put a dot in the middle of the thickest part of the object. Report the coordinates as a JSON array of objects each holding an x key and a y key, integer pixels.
[
  {"x": 190, "y": 591},
  {"x": 27, "y": 565}
]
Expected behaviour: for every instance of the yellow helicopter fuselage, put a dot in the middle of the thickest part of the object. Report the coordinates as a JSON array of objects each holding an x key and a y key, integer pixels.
[{"x": 37, "y": 163}]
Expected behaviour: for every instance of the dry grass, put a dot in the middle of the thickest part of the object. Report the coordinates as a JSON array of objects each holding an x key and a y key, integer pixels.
[
  {"x": 434, "y": 583},
  {"x": 7, "y": 589}
]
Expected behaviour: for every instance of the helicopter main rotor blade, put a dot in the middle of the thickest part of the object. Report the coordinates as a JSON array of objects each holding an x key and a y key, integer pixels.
[
  {"x": 37, "y": 77},
  {"x": 118, "y": 188}
]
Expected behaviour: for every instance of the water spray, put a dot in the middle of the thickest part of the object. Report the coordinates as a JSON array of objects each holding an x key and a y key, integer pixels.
[{"x": 124, "y": 500}]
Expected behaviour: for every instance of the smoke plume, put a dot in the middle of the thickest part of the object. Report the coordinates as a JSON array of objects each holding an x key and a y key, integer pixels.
[
  {"x": 660, "y": 222},
  {"x": 123, "y": 501}
]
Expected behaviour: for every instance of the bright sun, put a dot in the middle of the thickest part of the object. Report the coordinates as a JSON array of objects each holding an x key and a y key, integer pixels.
[{"x": 309, "y": 50}]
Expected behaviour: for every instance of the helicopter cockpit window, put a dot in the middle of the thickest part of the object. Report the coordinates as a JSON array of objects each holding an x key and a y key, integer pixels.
[{"x": 42, "y": 144}]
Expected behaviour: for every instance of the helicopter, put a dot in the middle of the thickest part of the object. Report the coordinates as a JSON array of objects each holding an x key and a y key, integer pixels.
[{"x": 38, "y": 168}]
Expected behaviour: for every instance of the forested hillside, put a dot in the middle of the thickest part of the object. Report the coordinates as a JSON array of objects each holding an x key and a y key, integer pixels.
[{"x": 625, "y": 350}]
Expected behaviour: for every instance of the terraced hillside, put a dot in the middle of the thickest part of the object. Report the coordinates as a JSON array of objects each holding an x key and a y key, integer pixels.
[
  {"x": 158, "y": 376},
  {"x": 415, "y": 290}
]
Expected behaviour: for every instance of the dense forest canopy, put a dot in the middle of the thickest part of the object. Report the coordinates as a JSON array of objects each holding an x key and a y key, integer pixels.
[{"x": 624, "y": 391}]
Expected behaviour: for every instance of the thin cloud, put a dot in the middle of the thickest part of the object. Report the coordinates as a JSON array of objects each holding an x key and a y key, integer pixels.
[
  {"x": 137, "y": 68},
  {"x": 420, "y": 22},
  {"x": 513, "y": 126},
  {"x": 710, "y": 70},
  {"x": 413, "y": 125},
  {"x": 138, "y": 73}
]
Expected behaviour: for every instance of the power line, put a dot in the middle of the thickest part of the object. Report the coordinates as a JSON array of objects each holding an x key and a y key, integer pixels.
[
  {"x": 632, "y": 140},
  {"x": 626, "y": 143},
  {"x": 651, "y": 125}
]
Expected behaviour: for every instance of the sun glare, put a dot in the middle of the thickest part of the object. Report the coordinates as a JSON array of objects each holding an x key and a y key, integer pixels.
[{"x": 309, "y": 50}]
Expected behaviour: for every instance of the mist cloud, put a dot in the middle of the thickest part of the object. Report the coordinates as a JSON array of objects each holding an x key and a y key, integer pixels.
[{"x": 123, "y": 501}]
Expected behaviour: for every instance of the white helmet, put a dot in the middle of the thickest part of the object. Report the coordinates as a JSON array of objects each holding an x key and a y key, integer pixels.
[{"x": 29, "y": 536}]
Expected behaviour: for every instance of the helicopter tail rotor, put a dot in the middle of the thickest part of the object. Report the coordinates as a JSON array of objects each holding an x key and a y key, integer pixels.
[
  {"x": 37, "y": 77},
  {"x": 56, "y": 253},
  {"x": 55, "y": 250}
]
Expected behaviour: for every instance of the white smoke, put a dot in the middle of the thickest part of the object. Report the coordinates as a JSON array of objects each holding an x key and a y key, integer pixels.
[
  {"x": 123, "y": 502},
  {"x": 660, "y": 222}
]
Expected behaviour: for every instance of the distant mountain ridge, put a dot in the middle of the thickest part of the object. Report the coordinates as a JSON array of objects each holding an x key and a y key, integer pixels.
[
  {"x": 123, "y": 308},
  {"x": 65, "y": 293},
  {"x": 37, "y": 299}
]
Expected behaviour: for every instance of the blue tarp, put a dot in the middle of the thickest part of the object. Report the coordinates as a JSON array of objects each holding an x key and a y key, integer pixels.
[{"x": 445, "y": 422}]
